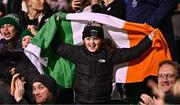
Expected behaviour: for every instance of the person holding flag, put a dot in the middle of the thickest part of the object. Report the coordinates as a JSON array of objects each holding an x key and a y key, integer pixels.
[{"x": 94, "y": 62}]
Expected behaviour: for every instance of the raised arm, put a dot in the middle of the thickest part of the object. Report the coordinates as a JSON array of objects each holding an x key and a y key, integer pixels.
[{"x": 127, "y": 54}]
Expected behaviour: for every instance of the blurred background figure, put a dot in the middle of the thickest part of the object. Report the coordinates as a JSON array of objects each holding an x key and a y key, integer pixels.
[
  {"x": 5, "y": 81},
  {"x": 31, "y": 12},
  {"x": 114, "y": 8},
  {"x": 60, "y": 5},
  {"x": 2, "y": 9},
  {"x": 176, "y": 27},
  {"x": 38, "y": 12},
  {"x": 80, "y": 5},
  {"x": 156, "y": 13},
  {"x": 2, "y": 13}
]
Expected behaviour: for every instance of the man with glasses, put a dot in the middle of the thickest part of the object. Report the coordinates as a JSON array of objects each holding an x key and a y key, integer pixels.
[{"x": 167, "y": 76}]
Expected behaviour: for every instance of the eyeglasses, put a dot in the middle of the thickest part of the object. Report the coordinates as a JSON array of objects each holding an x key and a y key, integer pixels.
[{"x": 166, "y": 75}]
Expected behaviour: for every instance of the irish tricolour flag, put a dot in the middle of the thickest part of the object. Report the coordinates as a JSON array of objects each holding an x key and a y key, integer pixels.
[{"x": 69, "y": 28}]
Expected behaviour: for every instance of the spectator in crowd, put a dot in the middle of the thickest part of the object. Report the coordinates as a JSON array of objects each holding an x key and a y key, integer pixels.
[
  {"x": 167, "y": 76},
  {"x": 114, "y": 8},
  {"x": 93, "y": 75},
  {"x": 79, "y": 5},
  {"x": 176, "y": 21},
  {"x": 10, "y": 30},
  {"x": 5, "y": 81},
  {"x": 156, "y": 13},
  {"x": 176, "y": 27},
  {"x": 11, "y": 52},
  {"x": 2, "y": 13},
  {"x": 44, "y": 89},
  {"x": 37, "y": 14},
  {"x": 26, "y": 38},
  {"x": 60, "y": 5},
  {"x": 2, "y": 10}
]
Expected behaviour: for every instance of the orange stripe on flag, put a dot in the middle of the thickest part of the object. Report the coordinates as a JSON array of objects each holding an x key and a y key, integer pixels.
[{"x": 147, "y": 64}]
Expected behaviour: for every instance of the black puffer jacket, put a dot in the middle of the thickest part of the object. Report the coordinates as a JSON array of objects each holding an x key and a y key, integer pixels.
[{"x": 93, "y": 75}]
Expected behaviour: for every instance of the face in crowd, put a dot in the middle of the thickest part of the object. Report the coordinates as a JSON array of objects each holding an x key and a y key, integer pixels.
[
  {"x": 26, "y": 40},
  {"x": 92, "y": 43},
  {"x": 8, "y": 31},
  {"x": 41, "y": 93},
  {"x": 166, "y": 77},
  {"x": 37, "y": 5},
  {"x": 93, "y": 35}
]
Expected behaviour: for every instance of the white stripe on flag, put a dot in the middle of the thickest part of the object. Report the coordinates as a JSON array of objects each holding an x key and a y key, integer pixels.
[
  {"x": 33, "y": 53},
  {"x": 121, "y": 73},
  {"x": 77, "y": 30},
  {"x": 101, "y": 18}
]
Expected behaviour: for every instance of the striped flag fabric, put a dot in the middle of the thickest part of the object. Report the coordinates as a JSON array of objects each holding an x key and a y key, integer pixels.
[{"x": 124, "y": 34}]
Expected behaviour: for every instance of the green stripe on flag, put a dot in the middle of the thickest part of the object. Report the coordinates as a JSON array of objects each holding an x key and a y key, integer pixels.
[{"x": 60, "y": 69}]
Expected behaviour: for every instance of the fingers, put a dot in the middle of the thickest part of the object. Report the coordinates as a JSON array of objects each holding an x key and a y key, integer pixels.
[
  {"x": 151, "y": 35},
  {"x": 141, "y": 103},
  {"x": 76, "y": 5},
  {"x": 19, "y": 89},
  {"x": 147, "y": 100},
  {"x": 12, "y": 71},
  {"x": 32, "y": 29},
  {"x": 19, "y": 84}
]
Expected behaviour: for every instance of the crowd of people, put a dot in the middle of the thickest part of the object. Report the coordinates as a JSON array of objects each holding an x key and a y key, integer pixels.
[{"x": 21, "y": 83}]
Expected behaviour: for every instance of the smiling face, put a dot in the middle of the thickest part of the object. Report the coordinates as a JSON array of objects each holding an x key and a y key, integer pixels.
[
  {"x": 166, "y": 77},
  {"x": 41, "y": 93},
  {"x": 8, "y": 31},
  {"x": 92, "y": 43}
]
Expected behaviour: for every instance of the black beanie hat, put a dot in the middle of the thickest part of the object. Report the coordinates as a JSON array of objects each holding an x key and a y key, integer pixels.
[
  {"x": 47, "y": 81},
  {"x": 93, "y": 30}
]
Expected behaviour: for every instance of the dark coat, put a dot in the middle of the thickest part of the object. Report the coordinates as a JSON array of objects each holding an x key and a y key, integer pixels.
[
  {"x": 28, "y": 71},
  {"x": 156, "y": 13},
  {"x": 5, "y": 81},
  {"x": 5, "y": 96},
  {"x": 94, "y": 71},
  {"x": 115, "y": 8},
  {"x": 17, "y": 58},
  {"x": 24, "y": 20}
]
